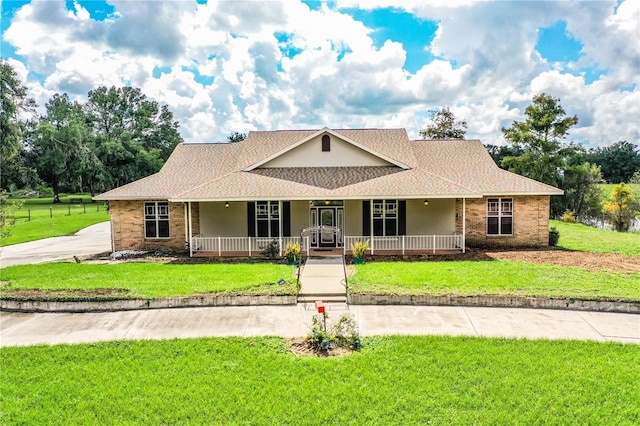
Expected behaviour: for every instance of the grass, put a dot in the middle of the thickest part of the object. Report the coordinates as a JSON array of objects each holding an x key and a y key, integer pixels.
[
  {"x": 575, "y": 236},
  {"x": 152, "y": 280},
  {"x": 40, "y": 218},
  {"x": 392, "y": 380},
  {"x": 499, "y": 277},
  {"x": 608, "y": 187}
]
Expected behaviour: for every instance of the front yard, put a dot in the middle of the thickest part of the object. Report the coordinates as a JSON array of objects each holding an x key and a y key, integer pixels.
[{"x": 391, "y": 381}]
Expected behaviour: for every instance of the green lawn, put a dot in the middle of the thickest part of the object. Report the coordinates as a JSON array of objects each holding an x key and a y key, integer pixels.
[
  {"x": 151, "y": 280},
  {"x": 501, "y": 277},
  {"x": 40, "y": 218},
  {"x": 608, "y": 187},
  {"x": 575, "y": 236},
  {"x": 391, "y": 381}
]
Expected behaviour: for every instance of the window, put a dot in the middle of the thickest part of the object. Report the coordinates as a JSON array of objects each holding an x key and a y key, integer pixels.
[
  {"x": 326, "y": 143},
  {"x": 267, "y": 215},
  {"x": 156, "y": 219},
  {"x": 385, "y": 217},
  {"x": 500, "y": 216}
]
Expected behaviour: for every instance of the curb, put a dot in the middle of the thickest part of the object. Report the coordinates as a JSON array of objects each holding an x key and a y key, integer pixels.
[
  {"x": 497, "y": 301},
  {"x": 140, "y": 304}
]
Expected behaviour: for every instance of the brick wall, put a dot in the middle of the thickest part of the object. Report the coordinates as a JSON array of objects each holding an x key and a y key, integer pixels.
[
  {"x": 127, "y": 227},
  {"x": 530, "y": 222}
]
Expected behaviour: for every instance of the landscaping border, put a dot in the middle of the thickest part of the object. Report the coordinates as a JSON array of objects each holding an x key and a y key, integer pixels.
[
  {"x": 15, "y": 305},
  {"x": 496, "y": 301}
]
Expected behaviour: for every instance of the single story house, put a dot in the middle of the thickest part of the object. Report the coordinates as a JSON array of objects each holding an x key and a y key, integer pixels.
[{"x": 326, "y": 189}]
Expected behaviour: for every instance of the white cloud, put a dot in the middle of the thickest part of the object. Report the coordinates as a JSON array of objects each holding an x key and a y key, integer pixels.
[{"x": 487, "y": 69}]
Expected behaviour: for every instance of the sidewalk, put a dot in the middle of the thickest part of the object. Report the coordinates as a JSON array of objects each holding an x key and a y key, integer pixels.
[{"x": 20, "y": 329}]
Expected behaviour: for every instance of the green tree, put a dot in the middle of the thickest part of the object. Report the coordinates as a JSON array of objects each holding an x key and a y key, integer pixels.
[
  {"x": 618, "y": 162},
  {"x": 133, "y": 136},
  {"x": 540, "y": 137},
  {"x": 444, "y": 126},
  {"x": 56, "y": 140},
  {"x": 621, "y": 208},
  {"x": 13, "y": 102},
  {"x": 236, "y": 137},
  {"x": 582, "y": 194},
  {"x": 7, "y": 210},
  {"x": 499, "y": 152}
]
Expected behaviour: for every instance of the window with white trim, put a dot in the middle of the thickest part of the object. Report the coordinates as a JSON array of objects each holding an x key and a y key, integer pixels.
[
  {"x": 267, "y": 219},
  {"x": 156, "y": 219},
  {"x": 500, "y": 216},
  {"x": 385, "y": 217}
]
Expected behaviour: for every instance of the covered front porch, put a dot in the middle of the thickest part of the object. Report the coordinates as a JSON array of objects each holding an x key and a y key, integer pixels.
[{"x": 392, "y": 227}]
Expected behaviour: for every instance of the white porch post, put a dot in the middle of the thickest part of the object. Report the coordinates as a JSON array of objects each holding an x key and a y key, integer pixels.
[
  {"x": 186, "y": 223},
  {"x": 190, "y": 232},
  {"x": 371, "y": 225},
  {"x": 280, "y": 227},
  {"x": 464, "y": 224}
]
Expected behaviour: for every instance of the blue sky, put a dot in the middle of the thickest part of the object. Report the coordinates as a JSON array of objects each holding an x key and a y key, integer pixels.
[{"x": 226, "y": 66}]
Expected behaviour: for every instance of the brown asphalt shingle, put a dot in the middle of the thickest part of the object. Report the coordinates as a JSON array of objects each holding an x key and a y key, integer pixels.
[{"x": 451, "y": 168}]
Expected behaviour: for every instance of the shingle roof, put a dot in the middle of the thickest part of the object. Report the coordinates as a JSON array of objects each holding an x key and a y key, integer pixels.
[{"x": 451, "y": 168}]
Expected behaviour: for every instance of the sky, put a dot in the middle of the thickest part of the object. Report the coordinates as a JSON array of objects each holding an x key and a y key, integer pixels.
[{"x": 236, "y": 66}]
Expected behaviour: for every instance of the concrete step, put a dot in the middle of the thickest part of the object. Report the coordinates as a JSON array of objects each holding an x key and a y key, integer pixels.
[{"x": 324, "y": 299}]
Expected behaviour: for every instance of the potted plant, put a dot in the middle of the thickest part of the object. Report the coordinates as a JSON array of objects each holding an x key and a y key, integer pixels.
[
  {"x": 359, "y": 249},
  {"x": 292, "y": 252}
]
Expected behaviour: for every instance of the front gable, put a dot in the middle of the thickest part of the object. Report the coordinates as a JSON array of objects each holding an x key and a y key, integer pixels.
[{"x": 326, "y": 148}]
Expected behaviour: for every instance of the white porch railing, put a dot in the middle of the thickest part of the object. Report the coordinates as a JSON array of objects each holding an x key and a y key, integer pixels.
[
  {"x": 400, "y": 243},
  {"x": 406, "y": 243},
  {"x": 251, "y": 245}
]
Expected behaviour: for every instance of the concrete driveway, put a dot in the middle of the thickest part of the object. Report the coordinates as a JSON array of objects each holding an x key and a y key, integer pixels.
[{"x": 91, "y": 240}]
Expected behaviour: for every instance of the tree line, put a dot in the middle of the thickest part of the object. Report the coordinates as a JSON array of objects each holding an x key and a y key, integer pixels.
[
  {"x": 117, "y": 136},
  {"x": 537, "y": 148}
]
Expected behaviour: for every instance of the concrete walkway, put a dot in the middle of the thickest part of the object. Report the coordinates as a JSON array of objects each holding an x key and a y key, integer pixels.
[
  {"x": 91, "y": 240},
  {"x": 20, "y": 329},
  {"x": 323, "y": 279}
]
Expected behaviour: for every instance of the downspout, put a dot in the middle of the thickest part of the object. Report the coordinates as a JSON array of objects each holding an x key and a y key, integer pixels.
[{"x": 190, "y": 232}]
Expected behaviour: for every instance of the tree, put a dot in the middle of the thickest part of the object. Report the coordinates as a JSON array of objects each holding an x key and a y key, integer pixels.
[
  {"x": 500, "y": 152},
  {"x": 133, "y": 136},
  {"x": 57, "y": 141},
  {"x": 621, "y": 208},
  {"x": 618, "y": 162},
  {"x": 582, "y": 194},
  {"x": 444, "y": 126},
  {"x": 540, "y": 137},
  {"x": 236, "y": 137},
  {"x": 7, "y": 210},
  {"x": 13, "y": 102}
]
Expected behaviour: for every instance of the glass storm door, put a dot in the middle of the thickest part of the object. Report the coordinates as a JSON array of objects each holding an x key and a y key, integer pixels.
[{"x": 327, "y": 218}]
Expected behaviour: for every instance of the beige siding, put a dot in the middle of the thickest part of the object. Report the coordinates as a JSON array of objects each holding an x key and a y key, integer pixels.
[
  {"x": 353, "y": 217},
  {"x": 299, "y": 216},
  {"x": 437, "y": 218},
  {"x": 310, "y": 154},
  {"x": 530, "y": 222},
  {"x": 216, "y": 220},
  {"x": 127, "y": 227}
]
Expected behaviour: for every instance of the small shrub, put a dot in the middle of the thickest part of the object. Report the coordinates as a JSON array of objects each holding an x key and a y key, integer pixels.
[
  {"x": 568, "y": 217},
  {"x": 343, "y": 334},
  {"x": 292, "y": 250},
  {"x": 271, "y": 250},
  {"x": 554, "y": 236},
  {"x": 359, "y": 249}
]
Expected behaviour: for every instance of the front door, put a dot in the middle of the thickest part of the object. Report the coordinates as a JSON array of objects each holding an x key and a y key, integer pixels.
[{"x": 327, "y": 218}]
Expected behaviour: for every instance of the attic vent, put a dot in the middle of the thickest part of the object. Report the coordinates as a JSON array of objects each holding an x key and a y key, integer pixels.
[{"x": 326, "y": 143}]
